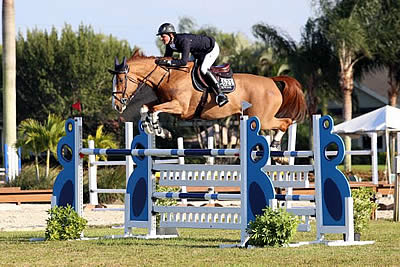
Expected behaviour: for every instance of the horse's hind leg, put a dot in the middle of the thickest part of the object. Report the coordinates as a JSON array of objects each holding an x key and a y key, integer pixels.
[{"x": 279, "y": 124}]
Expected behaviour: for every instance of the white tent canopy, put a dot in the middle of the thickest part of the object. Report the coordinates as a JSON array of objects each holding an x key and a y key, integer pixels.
[{"x": 379, "y": 120}]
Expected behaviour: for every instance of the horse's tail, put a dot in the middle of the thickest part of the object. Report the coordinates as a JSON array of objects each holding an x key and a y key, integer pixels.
[{"x": 293, "y": 104}]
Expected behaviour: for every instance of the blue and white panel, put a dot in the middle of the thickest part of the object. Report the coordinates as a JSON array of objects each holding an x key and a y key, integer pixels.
[
  {"x": 259, "y": 186},
  {"x": 334, "y": 185},
  {"x": 66, "y": 187},
  {"x": 138, "y": 183}
]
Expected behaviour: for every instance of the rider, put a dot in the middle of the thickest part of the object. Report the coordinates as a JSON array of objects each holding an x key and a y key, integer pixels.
[{"x": 203, "y": 48}]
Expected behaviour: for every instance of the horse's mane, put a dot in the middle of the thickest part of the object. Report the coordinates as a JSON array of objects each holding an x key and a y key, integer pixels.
[{"x": 138, "y": 54}]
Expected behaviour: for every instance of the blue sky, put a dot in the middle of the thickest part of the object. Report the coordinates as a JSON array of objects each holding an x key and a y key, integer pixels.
[{"x": 138, "y": 21}]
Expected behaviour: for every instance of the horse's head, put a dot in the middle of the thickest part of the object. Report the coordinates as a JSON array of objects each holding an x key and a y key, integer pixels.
[
  {"x": 120, "y": 97},
  {"x": 128, "y": 80}
]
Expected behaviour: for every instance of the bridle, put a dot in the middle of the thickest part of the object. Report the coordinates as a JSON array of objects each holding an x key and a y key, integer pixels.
[{"x": 125, "y": 98}]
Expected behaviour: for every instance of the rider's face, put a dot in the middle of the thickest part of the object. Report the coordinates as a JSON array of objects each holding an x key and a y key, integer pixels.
[{"x": 165, "y": 38}]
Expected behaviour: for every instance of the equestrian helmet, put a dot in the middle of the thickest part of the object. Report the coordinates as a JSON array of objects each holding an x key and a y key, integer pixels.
[{"x": 166, "y": 28}]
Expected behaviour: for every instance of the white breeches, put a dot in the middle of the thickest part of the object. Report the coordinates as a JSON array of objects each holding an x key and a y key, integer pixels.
[{"x": 209, "y": 59}]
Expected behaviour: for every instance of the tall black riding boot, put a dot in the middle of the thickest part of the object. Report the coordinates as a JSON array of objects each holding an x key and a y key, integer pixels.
[{"x": 221, "y": 98}]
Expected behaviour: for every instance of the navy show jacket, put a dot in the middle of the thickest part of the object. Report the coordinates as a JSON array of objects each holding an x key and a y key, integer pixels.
[{"x": 185, "y": 43}]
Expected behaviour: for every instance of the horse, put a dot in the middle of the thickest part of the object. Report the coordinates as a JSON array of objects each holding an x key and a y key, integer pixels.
[{"x": 275, "y": 108}]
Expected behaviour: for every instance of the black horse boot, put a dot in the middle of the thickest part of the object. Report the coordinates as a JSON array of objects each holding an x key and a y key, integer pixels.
[{"x": 221, "y": 98}]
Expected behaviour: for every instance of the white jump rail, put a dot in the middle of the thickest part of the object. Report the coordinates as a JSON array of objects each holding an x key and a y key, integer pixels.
[{"x": 92, "y": 168}]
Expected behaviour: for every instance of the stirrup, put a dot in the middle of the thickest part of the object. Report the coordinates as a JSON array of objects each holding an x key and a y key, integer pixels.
[{"x": 221, "y": 99}]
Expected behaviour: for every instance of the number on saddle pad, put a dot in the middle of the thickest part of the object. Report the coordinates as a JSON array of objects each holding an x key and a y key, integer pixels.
[{"x": 227, "y": 84}]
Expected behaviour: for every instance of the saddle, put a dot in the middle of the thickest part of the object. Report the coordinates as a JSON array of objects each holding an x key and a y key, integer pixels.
[{"x": 222, "y": 73}]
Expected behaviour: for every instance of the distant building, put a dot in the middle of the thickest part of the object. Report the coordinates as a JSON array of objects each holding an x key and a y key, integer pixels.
[{"x": 370, "y": 93}]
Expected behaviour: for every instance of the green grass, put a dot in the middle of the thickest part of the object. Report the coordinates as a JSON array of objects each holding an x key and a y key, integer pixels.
[
  {"x": 362, "y": 168},
  {"x": 196, "y": 248}
]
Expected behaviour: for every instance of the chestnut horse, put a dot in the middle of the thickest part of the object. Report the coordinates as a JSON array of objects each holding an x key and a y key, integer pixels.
[{"x": 176, "y": 95}]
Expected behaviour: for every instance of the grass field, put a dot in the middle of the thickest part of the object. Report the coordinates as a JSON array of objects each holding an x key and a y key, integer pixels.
[
  {"x": 362, "y": 168},
  {"x": 197, "y": 248}
]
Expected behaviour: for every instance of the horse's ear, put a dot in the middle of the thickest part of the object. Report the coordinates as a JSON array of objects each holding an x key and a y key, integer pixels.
[
  {"x": 124, "y": 61},
  {"x": 116, "y": 62},
  {"x": 136, "y": 53}
]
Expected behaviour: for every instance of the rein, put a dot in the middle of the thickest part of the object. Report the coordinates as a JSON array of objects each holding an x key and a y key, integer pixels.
[{"x": 124, "y": 100}]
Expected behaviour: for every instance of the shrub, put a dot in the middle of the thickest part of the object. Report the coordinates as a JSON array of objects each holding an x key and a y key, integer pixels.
[
  {"x": 64, "y": 224},
  {"x": 275, "y": 228},
  {"x": 27, "y": 178},
  {"x": 362, "y": 207},
  {"x": 165, "y": 201}
]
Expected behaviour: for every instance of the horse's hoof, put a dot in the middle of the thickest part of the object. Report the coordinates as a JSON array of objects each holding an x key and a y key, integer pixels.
[
  {"x": 144, "y": 113},
  {"x": 168, "y": 134},
  {"x": 157, "y": 130},
  {"x": 144, "y": 109},
  {"x": 147, "y": 127},
  {"x": 154, "y": 117}
]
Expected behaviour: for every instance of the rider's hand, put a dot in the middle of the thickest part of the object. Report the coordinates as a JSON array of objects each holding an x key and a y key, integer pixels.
[{"x": 163, "y": 62}]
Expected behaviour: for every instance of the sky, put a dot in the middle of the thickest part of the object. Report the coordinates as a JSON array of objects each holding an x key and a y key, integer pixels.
[{"x": 138, "y": 21}]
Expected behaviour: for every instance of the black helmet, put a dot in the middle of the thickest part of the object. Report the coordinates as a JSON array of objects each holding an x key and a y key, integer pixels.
[{"x": 166, "y": 28}]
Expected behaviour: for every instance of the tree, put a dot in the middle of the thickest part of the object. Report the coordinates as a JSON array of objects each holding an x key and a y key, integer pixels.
[
  {"x": 310, "y": 61},
  {"x": 36, "y": 137},
  {"x": 316, "y": 67},
  {"x": 345, "y": 25},
  {"x": 9, "y": 84},
  {"x": 57, "y": 69},
  {"x": 270, "y": 65},
  {"x": 101, "y": 140},
  {"x": 53, "y": 130},
  {"x": 32, "y": 140},
  {"x": 387, "y": 36}
]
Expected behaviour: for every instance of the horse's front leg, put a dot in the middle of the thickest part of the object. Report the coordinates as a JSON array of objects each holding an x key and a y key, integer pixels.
[
  {"x": 146, "y": 120},
  {"x": 172, "y": 107},
  {"x": 157, "y": 129}
]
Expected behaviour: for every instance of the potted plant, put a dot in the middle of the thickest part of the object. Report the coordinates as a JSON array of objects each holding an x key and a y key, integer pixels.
[{"x": 363, "y": 206}]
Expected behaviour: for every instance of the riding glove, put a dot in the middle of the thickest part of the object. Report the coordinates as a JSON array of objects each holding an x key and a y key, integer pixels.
[{"x": 163, "y": 62}]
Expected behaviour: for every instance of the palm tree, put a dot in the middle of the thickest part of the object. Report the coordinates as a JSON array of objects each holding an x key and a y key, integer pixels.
[
  {"x": 345, "y": 25},
  {"x": 101, "y": 140},
  {"x": 310, "y": 61},
  {"x": 388, "y": 45},
  {"x": 9, "y": 82},
  {"x": 32, "y": 140},
  {"x": 35, "y": 137},
  {"x": 270, "y": 65},
  {"x": 316, "y": 67},
  {"x": 53, "y": 130}
]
